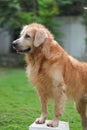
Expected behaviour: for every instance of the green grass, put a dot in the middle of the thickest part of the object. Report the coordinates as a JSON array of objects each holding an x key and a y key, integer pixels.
[{"x": 19, "y": 104}]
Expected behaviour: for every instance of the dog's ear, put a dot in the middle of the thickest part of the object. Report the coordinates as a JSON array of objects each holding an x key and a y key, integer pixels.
[{"x": 40, "y": 37}]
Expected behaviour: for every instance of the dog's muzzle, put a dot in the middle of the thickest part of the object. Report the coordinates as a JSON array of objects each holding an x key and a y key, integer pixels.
[{"x": 18, "y": 49}]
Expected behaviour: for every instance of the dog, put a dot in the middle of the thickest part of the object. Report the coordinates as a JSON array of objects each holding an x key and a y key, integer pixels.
[{"x": 53, "y": 72}]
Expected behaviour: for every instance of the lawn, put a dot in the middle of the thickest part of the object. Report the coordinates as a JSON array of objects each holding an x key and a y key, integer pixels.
[{"x": 19, "y": 103}]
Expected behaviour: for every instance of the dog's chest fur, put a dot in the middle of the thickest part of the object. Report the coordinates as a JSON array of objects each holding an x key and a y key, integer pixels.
[
  {"x": 45, "y": 79},
  {"x": 41, "y": 81},
  {"x": 40, "y": 78}
]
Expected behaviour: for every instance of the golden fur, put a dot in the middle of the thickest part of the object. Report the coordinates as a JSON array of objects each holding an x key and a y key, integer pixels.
[{"x": 54, "y": 73}]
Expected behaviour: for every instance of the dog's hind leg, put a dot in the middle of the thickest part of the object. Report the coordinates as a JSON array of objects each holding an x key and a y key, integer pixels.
[{"x": 82, "y": 109}]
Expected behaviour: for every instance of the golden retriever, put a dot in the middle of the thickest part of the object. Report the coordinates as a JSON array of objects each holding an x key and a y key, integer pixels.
[{"x": 53, "y": 72}]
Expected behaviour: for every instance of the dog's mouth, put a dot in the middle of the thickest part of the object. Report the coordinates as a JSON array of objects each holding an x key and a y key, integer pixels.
[{"x": 22, "y": 50}]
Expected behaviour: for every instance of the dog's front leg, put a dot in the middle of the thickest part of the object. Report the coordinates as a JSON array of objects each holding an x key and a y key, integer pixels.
[
  {"x": 42, "y": 118},
  {"x": 59, "y": 98}
]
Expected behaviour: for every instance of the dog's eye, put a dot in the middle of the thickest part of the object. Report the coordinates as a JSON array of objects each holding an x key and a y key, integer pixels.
[{"x": 27, "y": 36}]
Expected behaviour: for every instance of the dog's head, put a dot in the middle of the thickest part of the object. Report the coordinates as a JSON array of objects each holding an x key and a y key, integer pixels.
[{"x": 31, "y": 36}]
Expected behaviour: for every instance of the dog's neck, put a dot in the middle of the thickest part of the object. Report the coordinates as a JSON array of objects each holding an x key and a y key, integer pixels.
[{"x": 34, "y": 57}]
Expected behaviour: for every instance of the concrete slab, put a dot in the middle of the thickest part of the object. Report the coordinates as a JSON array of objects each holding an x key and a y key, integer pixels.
[{"x": 62, "y": 126}]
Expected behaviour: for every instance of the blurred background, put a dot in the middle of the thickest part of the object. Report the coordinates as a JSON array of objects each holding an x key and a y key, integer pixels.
[{"x": 66, "y": 19}]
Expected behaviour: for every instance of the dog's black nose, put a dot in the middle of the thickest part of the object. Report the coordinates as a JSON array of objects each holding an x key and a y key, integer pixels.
[{"x": 14, "y": 43}]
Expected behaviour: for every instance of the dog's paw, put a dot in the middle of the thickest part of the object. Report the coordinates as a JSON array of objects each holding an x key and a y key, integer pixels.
[
  {"x": 40, "y": 121},
  {"x": 53, "y": 123}
]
